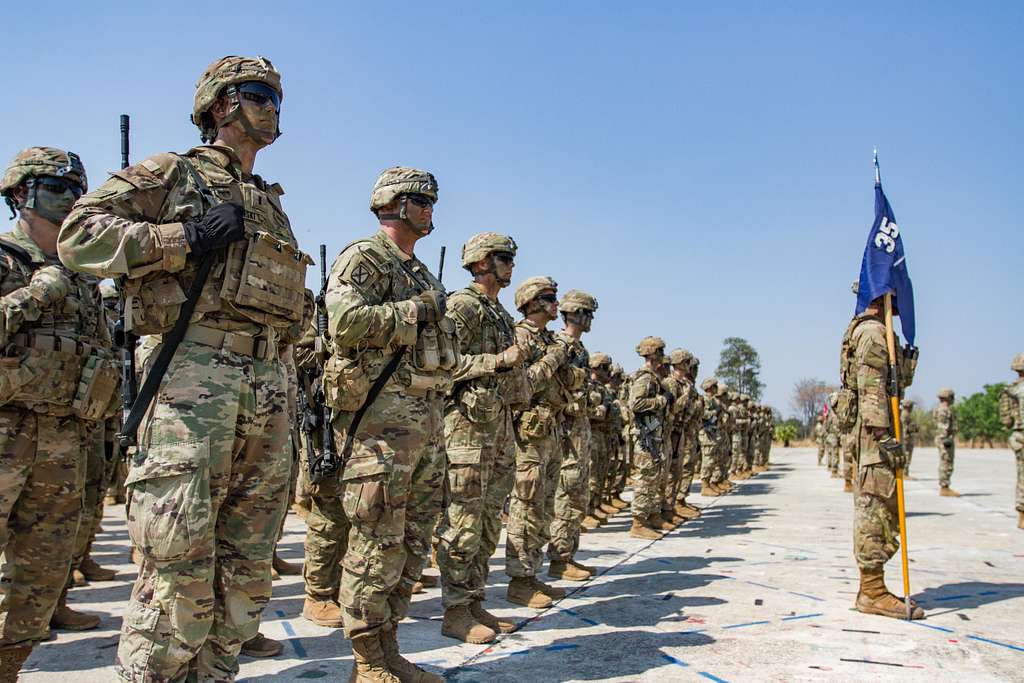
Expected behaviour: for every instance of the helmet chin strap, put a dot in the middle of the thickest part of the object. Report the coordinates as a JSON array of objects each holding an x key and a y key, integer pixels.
[
  {"x": 237, "y": 113},
  {"x": 403, "y": 216}
]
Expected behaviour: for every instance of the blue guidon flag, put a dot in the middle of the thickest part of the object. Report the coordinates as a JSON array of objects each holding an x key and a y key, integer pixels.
[{"x": 884, "y": 268}]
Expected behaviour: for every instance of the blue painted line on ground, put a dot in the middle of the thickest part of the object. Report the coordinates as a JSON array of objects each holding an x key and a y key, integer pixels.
[
  {"x": 951, "y": 597},
  {"x": 564, "y": 646},
  {"x": 805, "y": 595},
  {"x": 749, "y": 623},
  {"x": 712, "y": 677},
  {"x": 674, "y": 660},
  {"x": 582, "y": 618},
  {"x": 803, "y": 616},
  {"x": 932, "y": 626},
  {"x": 762, "y": 585},
  {"x": 293, "y": 637},
  {"x": 996, "y": 642}
]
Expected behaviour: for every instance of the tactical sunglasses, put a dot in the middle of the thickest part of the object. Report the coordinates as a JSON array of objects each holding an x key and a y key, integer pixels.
[
  {"x": 59, "y": 185},
  {"x": 420, "y": 200},
  {"x": 548, "y": 298},
  {"x": 505, "y": 257},
  {"x": 259, "y": 94}
]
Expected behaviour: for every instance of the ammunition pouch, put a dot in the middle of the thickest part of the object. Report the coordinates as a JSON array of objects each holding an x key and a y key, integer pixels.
[
  {"x": 479, "y": 404},
  {"x": 265, "y": 280},
  {"x": 435, "y": 346},
  {"x": 345, "y": 384},
  {"x": 846, "y": 409},
  {"x": 536, "y": 423},
  {"x": 97, "y": 396},
  {"x": 423, "y": 385}
]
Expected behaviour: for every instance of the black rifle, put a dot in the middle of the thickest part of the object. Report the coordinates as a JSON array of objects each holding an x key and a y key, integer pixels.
[
  {"x": 319, "y": 415},
  {"x": 124, "y": 338},
  {"x": 440, "y": 268}
]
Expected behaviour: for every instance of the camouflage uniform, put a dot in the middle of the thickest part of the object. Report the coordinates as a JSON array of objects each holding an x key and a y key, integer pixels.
[
  {"x": 908, "y": 432},
  {"x": 619, "y": 474},
  {"x": 692, "y": 454},
  {"x": 604, "y": 439},
  {"x": 480, "y": 443},
  {"x": 710, "y": 437},
  {"x": 832, "y": 442},
  {"x": 819, "y": 438},
  {"x": 648, "y": 405},
  {"x": 681, "y": 419},
  {"x": 945, "y": 437},
  {"x": 1011, "y": 414},
  {"x": 214, "y": 446},
  {"x": 58, "y": 381}
]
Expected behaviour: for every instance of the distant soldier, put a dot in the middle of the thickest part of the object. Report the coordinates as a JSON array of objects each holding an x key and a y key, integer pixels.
[
  {"x": 819, "y": 438},
  {"x": 57, "y": 384},
  {"x": 864, "y": 370},
  {"x": 945, "y": 439},
  {"x": 710, "y": 438},
  {"x": 618, "y": 471},
  {"x": 649, "y": 405},
  {"x": 1011, "y": 414},
  {"x": 681, "y": 416},
  {"x": 908, "y": 432},
  {"x": 832, "y": 437},
  {"x": 691, "y": 465},
  {"x": 604, "y": 442}
]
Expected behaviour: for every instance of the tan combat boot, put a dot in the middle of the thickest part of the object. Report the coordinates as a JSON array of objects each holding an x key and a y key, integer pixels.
[
  {"x": 874, "y": 598},
  {"x": 261, "y": 647},
  {"x": 847, "y": 486},
  {"x": 947, "y": 492},
  {"x": 599, "y": 514},
  {"x": 590, "y": 570},
  {"x": 285, "y": 568},
  {"x": 590, "y": 523},
  {"x": 671, "y": 517},
  {"x": 553, "y": 592},
  {"x": 93, "y": 572},
  {"x": 567, "y": 571},
  {"x": 11, "y": 660},
  {"x": 609, "y": 509},
  {"x": 429, "y": 581},
  {"x": 656, "y": 521},
  {"x": 686, "y": 511},
  {"x": 642, "y": 531},
  {"x": 1020, "y": 519},
  {"x": 489, "y": 620},
  {"x": 324, "y": 613},
  {"x": 619, "y": 503},
  {"x": 459, "y": 623},
  {"x": 69, "y": 620},
  {"x": 521, "y": 591},
  {"x": 370, "y": 665},
  {"x": 406, "y": 671},
  {"x": 707, "y": 490}
]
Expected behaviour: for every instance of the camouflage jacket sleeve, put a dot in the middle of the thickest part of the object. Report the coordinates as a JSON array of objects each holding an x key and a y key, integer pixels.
[
  {"x": 543, "y": 362},
  {"x": 871, "y": 361},
  {"x": 644, "y": 394},
  {"x": 466, "y": 316},
  {"x": 121, "y": 228},
  {"x": 944, "y": 422},
  {"x": 359, "y": 313}
]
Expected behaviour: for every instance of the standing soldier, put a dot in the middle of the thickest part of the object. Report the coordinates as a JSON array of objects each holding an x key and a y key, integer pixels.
[
  {"x": 710, "y": 439},
  {"x": 945, "y": 440},
  {"x": 479, "y": 441},
  {"x": 864, "y": 370},
  {"x": 603, "y": 441},
  {"x": 819, "y": 438},
  {"x": 57, "y": 384},
  {"x": 1011, "y": 414},
  {"x": 832, "y": 436},
  {"x": 392, "y": 358},
  {"x": 577, "y": 309},
  {"x": 624, "y": 459},
  {"x": 649, "y": 406},
  {"x": 197, "y": 237},
  {"x": 691, "y": 463},
  {"x": 538, "y": 442},
  {"x": 685, "y": 404},
  {"x": 908, "y": 430}
]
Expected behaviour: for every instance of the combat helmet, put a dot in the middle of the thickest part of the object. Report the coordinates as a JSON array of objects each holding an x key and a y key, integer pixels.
[
  {"x": 907, "y": 403},
  {"x": 708, "y": 384},
  {"x": 530, "y": 288},
  {"x": 649, "y": 346},
  {"x": 1017, "y": 364},
  {"x": 945, "y": 392},
  {"x": 35, "y": 162},
  {"x": 577, "y": 300},
  {"x": 680, "y": 357},
  {"x": 616, "y": 371},
  {"x": 600, "y": 359},
  {"x": 222, "y": 74},
  {"x": 483, "y": 244}
]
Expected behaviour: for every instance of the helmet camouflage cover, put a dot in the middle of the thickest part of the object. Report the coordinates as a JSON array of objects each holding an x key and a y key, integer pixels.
[
  {"x": 598, "y": 359},
  {"x": 483, "y": 244},
  {"x": 399, "y": 180},
  {"x": 1018, "y": 363},
  {"x": 650, "y": 345},
  {"x": 43, "y": 161},
  {"x": 577, "y": 300},
  {"x": 226, "y": 71},
  {"x": 616, "y": 370},
  {"x": 531, "y": 287},
  {"x": 680, "y": 357},
  {"x": 709, "y": 383},
  {"x": 945, "y": 392},
  {"x": 907, "y": 403}
]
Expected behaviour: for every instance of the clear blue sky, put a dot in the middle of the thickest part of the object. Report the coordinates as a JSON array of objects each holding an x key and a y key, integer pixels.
[{"x": 704, "y": 171}]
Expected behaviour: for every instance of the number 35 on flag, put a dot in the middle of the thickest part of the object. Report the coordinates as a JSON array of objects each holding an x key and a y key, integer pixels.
[{"x": 887, "y": 235}]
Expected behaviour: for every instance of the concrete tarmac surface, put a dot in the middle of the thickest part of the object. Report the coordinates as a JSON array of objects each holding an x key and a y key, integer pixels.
[{"x": 760, "y": 588}]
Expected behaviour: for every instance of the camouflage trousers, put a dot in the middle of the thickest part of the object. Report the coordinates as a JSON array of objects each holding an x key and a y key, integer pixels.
[
  {"x": 327, "y": 530},
  {"x": 480, "y": 464},
  {"x": 646, "y": 472},
  {"x": 391, "y": 491},
  {"x": 689, "y": 463},
  {"x": 99, "y": 466},
  {"x": 946, "y": 454},
  {"x": 671, "y": 470},
  {"x": 739, "y": 452},
  {"x": 207, "y": 491},
  {"x": 847, "y": 443},
  {"x": 532, "y": 508},
  {"x": 1017, "y": 444},
  {"x": 710, "y": 457},
  {"x": 821, "y": 452},
  {"x": 42, "y": 473},
  {"x": 571, "y": 492},
  {"x": 875, "y": 521},
  {"x": 600, "y": 464},
  {"x": 832, "y": 455},
  {"x": 618, "y": 467},
  {"x": 909, "y": 444}
]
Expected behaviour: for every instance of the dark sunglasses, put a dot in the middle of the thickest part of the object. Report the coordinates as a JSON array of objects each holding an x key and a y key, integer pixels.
[
  {"x": 505, "y": 257},
  {"x": 59, "y": 185},
  {"x": 548, "y": 298},
  {"x": 259, "y": 94},
  {"x": 420, "y": 200}
]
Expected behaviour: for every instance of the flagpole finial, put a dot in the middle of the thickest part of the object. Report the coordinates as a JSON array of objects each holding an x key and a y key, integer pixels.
[{"x": 878, "y": 176}]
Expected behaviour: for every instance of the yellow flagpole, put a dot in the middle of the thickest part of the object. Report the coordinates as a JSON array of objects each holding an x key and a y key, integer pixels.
[{"x": 894, "y": 410}]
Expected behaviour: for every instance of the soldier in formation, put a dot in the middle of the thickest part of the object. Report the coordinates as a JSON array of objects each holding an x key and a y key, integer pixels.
[
  {"x": 819, "y": 438},
  {"x": 908, "y": 432},
  {"x": 1011, "y": 414},
  {"x": 945, "y": 439}
]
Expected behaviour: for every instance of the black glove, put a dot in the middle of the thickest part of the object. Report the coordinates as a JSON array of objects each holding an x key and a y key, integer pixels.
[
  {"x": 892, "y": 453},
  {"x": 430, "y": 306},
  {"x": 218, "y": 227},
  {"x": 947, "y": 442}
]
